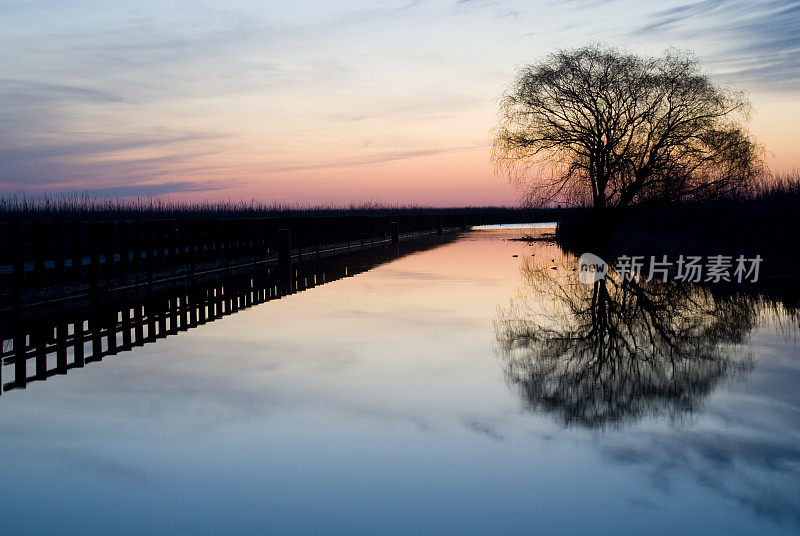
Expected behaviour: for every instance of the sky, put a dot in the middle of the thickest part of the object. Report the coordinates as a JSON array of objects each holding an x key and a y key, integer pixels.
[{"x": 320, "y": 102}]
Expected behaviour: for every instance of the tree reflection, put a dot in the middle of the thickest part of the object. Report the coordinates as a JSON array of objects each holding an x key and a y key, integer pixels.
[{"x": 612, "y": 353}]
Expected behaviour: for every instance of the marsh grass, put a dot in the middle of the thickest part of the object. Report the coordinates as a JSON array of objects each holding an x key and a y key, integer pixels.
[
  {"x": 761, "y": 221},
  {"x": 83, "y": 206}
]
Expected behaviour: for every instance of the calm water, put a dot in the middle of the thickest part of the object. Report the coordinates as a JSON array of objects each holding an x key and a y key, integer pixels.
[{"x": 458, "y": 390}]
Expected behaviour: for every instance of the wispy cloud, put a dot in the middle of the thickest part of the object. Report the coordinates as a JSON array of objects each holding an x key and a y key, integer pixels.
[
  {"x": 374, "y": 159},
  {"x": 757, "y": 43},
  {"x": 106, "y": 95},
  {"x": 96, "y": 163},
  {"x": 749, "y": 468},
  {"x": 147, "y": 190}
]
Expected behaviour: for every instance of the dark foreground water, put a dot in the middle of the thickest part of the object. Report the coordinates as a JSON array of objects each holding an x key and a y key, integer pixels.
[{"x": 459, "y": 390}]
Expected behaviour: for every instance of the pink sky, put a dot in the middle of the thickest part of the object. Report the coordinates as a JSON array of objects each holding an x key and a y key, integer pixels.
[{"x": 329, "y": 103}]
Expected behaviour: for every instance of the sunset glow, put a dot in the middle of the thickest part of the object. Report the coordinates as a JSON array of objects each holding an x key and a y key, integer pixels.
[{"x": 329, "y": 103}]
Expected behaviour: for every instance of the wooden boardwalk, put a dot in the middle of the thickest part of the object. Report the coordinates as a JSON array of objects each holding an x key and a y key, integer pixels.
[{"x": 63, "y": 319}]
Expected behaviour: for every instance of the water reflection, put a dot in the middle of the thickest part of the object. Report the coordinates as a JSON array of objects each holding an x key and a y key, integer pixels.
[
  {"x": 608, "y": 355},
  {"x": 375, "y": 404},
  {"x": 612, "y": 353},
  {"x": 50, "y": 338}
]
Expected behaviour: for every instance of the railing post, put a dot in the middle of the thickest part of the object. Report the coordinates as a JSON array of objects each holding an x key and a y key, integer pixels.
[
  {"x": 126, "y": 326},
  {"x": 163, "y": 308},
  {"x": 109, "y": 232},
  {"x": 138, "y": 324},
  {"x": 394, "y": 229},
  {"x": 77, "y": 251},
  {"x": 202, "y": 313},
  {"x": 124, "y": 247},
  {"x": 40, "y": 338},
  {"x": 93, "y": 238},
  {"x": 58, "y": 253},
  {"x": 151, "y": 316},
  {"x": 20, "y": 356},
  {"x": 37, "y": 248},
  {"x": 18, "y": 281},
  {"x": 284, "y": 246},
  {"x": 78, "y": 336},
  {"x": 172, "y": 308},
  {"x": 193, "y": 307},
  {"x": 61, "y": 346},
  {"x": 95, "y": 326}
]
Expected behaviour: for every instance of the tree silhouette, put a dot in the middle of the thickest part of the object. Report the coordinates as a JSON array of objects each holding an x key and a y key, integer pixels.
[
  {"x": 610, "y": 353},
  {"x": 597, "y": 124}
]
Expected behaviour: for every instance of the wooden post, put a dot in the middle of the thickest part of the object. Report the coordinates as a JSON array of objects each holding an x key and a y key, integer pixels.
[
  {"x": 124, "y": 247},
  {"x": 138, "y": 324},
  {"x": 138, "y": 243},
  {"x": 201, "y": 306},
  {"x": 20, "y": 356},
  {"x": 37, "y": 246},
  {"x": 18, "y": 278},
  {"x": 111, "y": 330},
  {"x": 78, "y": 336},
  {"x": 93, "y": 238},
  {"x": 77, "y": 251},
  {"x": 95, "y": 326},
  {"x": 284, "y": 246},
  {"x": 163, "y": 305},
  {"x": 394, "y": 228},
  {"x": 58, "y": 253},
  {"x": 109, "y": 232},
  {"x": 148, "y": 241},
  {"x": 172, "y": 305},
  {"x": 219, "y": 299},
  {"x": 61, "y": 346},
  {"x": 41, "y": 336},
  {"x": 190, "y": 233},
  {"x": 126, "y": 327},
  {"x": 151, "y": 317},
  {"x": 162, "y": 241},
  {"x": 215, "y": 243},
  {"x": 252, "y": 240},
  {"x": 176, "y": 243},
  {"x": 233, "y": 297},
  {"x": 192, "y": 300}
]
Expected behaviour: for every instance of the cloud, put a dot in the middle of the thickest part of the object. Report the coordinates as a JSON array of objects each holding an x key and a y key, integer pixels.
[
  {"x": 671, "y": 18},
  {"x": 147, "y": 190},
  {"x": 104, "y": 165},
  {"x": 758, "y": 42},
  {"x": 484, "y": 428},
  {"x": 374, "y": 159},
  {"x": 273, "y": 78},
  {"x": 14, "y": 93},
  {"x": 753, "y": 469}
]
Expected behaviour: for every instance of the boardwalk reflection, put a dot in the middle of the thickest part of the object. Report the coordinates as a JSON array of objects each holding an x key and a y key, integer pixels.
[
  {"x": 612, "y": 353},
  {"x": 52, "y": 338}
]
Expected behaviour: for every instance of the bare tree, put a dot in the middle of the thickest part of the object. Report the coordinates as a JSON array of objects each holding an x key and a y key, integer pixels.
[
  {"x": 597, "y": 124},
  {"x": 612, "y": 353}
]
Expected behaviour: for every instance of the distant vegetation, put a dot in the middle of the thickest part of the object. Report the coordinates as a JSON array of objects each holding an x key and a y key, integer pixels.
[
  {"x": 759, "y": 221},
  {"x": 86, "y": 207}
]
